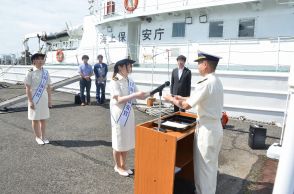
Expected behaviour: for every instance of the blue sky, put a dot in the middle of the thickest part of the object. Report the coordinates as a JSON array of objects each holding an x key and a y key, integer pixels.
[{"x": 18, "y": 18}]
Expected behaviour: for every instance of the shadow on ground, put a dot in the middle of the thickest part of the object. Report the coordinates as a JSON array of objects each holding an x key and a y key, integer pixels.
[
  {"x": 234, "y": 129},
  {"x": 25, "y": 108},
  {"x": 80, "y": 143},
  {"x": 227, "y": 184},
  {"x": 231, "y": 184}
]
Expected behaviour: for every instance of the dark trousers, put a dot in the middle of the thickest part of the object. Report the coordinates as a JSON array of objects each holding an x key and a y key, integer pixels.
[
  {"x": 100, "y": 87},
  {"x": 85, "y": 84},
  {"x": 176, "y": 109}
]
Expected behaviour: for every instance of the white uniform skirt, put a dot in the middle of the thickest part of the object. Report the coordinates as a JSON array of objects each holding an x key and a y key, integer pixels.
[
  {"x": 123, "y": 137},
  {"x": 41, "y": 110}
]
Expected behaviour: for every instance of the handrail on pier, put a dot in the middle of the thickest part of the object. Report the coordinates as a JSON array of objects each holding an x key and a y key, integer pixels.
[{"x": 23, "y": 97}]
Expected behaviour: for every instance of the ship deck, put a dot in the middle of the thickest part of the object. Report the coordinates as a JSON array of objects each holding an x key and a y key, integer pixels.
[{"x": 79, "y": 158}]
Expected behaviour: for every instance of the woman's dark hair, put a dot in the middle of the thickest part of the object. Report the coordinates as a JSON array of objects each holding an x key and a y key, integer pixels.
[{"x": 116, "y": 70}]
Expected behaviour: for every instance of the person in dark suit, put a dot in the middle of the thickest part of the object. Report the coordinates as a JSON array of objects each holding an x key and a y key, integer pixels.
[
  {"x": 100, "y": 70},
  {"x": 180, "y": 80}
]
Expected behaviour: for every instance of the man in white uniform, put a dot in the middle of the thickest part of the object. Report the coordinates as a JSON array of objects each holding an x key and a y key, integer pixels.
[{"x": 208, "y": 100}]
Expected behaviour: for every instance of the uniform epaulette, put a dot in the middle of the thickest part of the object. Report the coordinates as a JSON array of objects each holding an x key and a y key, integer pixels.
[
  {"x": 115, "y": 78},
  {"x": 202, "y": 81},
  {"x": 31, "y": 70}
]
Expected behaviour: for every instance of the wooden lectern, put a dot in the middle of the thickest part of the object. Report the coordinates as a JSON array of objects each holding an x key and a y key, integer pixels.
[{"x": 162, "y": 157}]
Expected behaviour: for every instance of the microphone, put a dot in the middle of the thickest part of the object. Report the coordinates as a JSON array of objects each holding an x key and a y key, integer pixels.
[{"x": 159, "y": 88}]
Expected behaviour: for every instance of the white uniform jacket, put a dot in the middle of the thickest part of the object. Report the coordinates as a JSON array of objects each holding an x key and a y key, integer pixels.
[
  {"x": 123, "y": 137},
  {"x": 208, "y": 100}
]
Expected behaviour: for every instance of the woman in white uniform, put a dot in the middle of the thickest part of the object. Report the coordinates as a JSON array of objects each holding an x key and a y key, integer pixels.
[
  {"x": 208, "y": 100},
  {"x": 37, "y": 82},
  {"x": 123, "y": 91}
]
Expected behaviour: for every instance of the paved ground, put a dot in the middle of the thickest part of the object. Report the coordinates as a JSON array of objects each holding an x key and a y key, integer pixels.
[{"x": 79, "y": 158}]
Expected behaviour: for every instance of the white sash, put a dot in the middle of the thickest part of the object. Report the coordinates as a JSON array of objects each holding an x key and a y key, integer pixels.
[
  {"x": 123, "y": 118},
  {"x": 41, "y": 87}
]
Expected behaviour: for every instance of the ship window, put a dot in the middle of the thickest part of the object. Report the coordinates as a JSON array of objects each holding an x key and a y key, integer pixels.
[
  {"x": 246, "y": 27},
  {"x": 179, "y": 29},
  {"x": 216, "y": 29}
]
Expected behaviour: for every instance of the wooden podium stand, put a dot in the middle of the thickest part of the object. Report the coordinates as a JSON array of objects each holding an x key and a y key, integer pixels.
[{"x": 157, "y": 155}]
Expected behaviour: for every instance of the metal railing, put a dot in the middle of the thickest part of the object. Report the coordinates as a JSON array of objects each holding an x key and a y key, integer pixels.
[{"x": 275, "y": 53}]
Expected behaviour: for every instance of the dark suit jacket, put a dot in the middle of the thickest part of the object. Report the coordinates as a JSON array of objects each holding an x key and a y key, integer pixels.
[
  {"x": 96, "y": 70},
  {"x": 181, "y": 87}
]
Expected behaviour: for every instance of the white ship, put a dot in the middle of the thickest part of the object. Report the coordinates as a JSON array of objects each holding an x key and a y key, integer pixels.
[{"x": 255, "y": 39}]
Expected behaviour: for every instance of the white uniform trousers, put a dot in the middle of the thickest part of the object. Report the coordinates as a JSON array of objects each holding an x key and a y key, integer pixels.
[{"x": 207, "y": 145}]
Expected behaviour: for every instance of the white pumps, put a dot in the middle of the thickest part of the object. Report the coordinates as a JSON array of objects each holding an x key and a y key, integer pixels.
[{"x": 121, "y": 172}]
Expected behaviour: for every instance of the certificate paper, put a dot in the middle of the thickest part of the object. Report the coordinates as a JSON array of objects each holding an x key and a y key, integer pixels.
[{"x": 174, "y": 124}]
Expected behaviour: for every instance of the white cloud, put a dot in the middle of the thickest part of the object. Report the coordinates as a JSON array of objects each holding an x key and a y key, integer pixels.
[
  {"x": 25, "y": 16},
  {"x": 28, "y": 26}
]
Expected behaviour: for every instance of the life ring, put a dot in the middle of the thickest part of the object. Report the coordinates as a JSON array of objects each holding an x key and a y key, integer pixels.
[
  {"x": 132, "y": 7},
  {"x": 59, "y": 55}
]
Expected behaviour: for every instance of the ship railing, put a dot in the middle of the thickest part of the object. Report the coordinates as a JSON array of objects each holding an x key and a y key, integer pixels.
[
  {"x": 3, "y": 71},
  {"x": 276, "y": 52}
]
